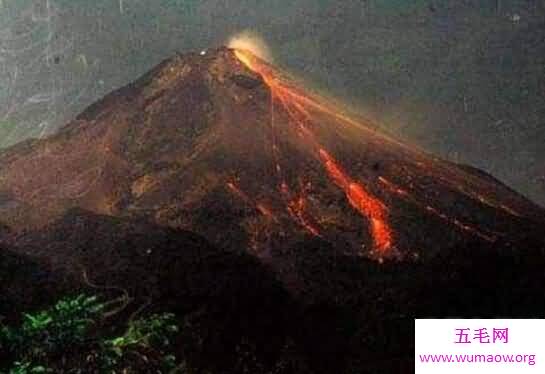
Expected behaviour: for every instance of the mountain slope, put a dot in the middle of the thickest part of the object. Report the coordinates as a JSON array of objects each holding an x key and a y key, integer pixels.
[
  {"x": 229, "y": 147},
  {"x": 155, "y": 269},
  {"x": 26, "y": 283}
]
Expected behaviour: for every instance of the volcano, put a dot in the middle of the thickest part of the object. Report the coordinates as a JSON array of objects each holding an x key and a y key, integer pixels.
[
  {"x": 227, "y": 146},
  {"x": 219, "y": 187}
]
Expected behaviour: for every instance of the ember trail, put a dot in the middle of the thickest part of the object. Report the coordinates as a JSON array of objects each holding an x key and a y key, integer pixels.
[
  {"x": 299, "y": 107},
  {"x": 357, "y": 195}
]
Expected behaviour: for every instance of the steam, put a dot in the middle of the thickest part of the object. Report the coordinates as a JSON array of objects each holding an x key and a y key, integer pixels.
[{"x": 250, "y": 41}]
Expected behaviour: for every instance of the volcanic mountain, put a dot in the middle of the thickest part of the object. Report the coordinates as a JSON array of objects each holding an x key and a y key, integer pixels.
[
  {"x": 229, "y": 147},
  {"x": 218, "y": 187}
]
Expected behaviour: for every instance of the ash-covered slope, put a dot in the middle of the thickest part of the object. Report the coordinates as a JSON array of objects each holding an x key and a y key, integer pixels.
[{"x": 227, "y": 146}]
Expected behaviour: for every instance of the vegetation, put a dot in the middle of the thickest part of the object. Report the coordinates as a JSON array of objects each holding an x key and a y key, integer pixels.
[
  {"x": 72, "y": 337},
  {"x": 69, "y": 336}
]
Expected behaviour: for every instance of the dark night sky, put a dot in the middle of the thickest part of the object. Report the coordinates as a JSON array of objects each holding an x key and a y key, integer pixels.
[{"x": 462, "y": 79}]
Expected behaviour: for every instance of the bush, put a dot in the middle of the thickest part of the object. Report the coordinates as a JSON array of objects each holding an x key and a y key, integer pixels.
[
  {"x": 67, "y": 336},
  {"x": 146, "y": 340}
]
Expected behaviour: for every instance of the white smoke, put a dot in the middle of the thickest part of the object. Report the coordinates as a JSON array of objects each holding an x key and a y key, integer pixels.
[{"x": 251, "y": 41}]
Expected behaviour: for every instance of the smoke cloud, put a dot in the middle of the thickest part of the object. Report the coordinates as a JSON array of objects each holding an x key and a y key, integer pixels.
[{"x": 251, "y": 41}]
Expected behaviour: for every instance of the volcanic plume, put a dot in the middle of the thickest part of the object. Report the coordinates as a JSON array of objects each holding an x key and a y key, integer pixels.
[{"x": 223, "y": 144}]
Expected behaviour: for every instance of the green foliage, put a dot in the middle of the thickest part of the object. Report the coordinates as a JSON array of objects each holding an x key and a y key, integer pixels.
[
  {"x": 69, "y": 331},
  {"x": 52, "y": 331},
  {"x": 144, "y": 336},
  {"x": 28, "y": 368}
]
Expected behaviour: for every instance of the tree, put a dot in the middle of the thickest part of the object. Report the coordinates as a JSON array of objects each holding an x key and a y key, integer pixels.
[{"x": 69, "y": 335}]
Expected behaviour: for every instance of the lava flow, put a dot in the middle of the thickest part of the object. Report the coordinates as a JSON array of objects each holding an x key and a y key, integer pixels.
[
  {"x": 362, "y": 201},
  {"x": 260, "y": 207},
  {"x": 357, "y": 195}
]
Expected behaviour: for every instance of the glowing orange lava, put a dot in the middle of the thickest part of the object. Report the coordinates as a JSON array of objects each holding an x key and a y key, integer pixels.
[
  {"x": 362, "y": 201},
  {"x": 260, "y": 207},
  {"x": 359, "y": 198},
  {"x": 453, "y": 221},
  {"x": 298, "y": 210},
  {"x": 298, "y": 105}
]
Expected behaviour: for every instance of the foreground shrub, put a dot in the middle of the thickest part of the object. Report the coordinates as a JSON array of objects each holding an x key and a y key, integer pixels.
[{"x": 67, "y": 337}]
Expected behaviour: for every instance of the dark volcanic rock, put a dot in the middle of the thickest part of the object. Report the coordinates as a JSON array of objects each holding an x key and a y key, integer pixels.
[
  {"x": 25, "y": 284},
  {"x": 4, "y": 230},
  {"x": 246, "y": 81}
]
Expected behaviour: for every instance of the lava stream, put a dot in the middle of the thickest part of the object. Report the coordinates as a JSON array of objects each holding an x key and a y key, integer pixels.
[
  {"x": 363, "y": 202},
  {"x": 358, "y": 197},
  {"x": 260, "y": 207},
  {"x": 453, "y": 221}
]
